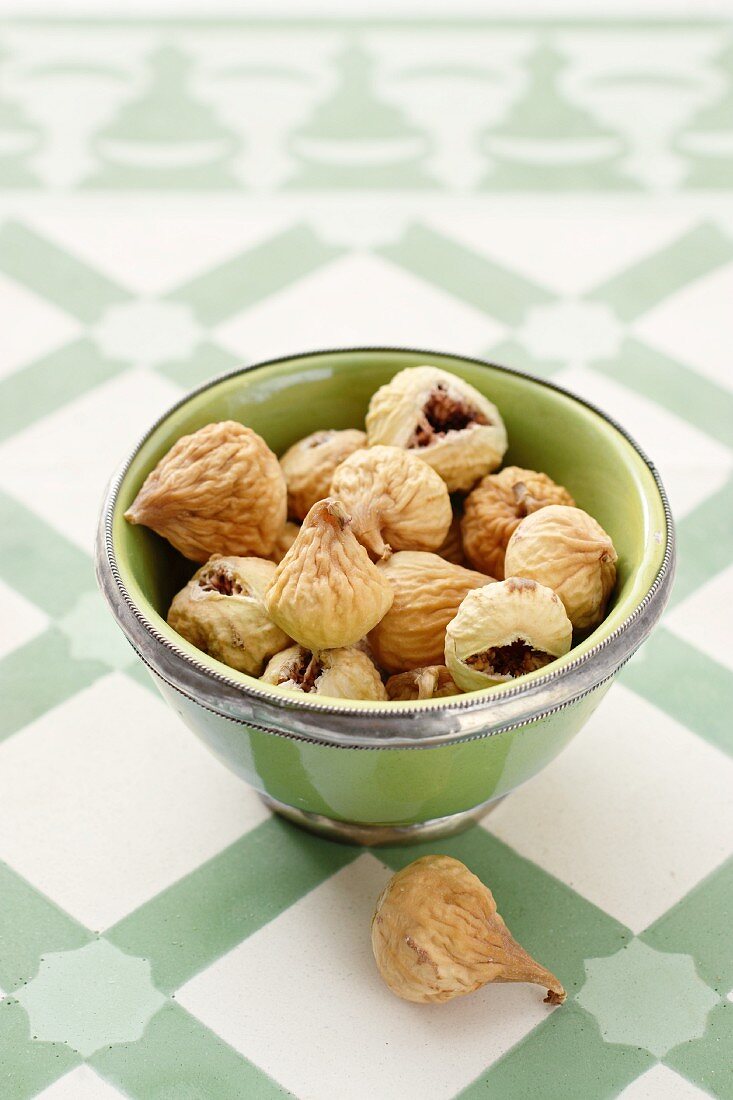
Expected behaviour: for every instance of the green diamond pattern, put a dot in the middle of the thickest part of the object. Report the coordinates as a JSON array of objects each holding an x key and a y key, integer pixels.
[{"x": 527, "y": 229}]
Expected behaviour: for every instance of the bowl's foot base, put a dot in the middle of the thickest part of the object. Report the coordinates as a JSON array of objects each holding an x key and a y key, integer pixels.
[{"x": 370, "y": 836}]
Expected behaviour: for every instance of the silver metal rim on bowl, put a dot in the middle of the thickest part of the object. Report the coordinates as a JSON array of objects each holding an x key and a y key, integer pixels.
[{"x": 453, "y": 720}]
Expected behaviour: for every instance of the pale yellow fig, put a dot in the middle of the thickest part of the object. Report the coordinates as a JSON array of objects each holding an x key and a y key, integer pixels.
[
  {"x": 284, "y": 541},
  {"x": 427, "y": 593},
  {"x": 222, "y": 612},
  {"x": 436, "y": 935},
  {"x": 345, "y": 673},
  {"x": 433, "y": 682},
  {"x": 494, "y": 509},
  {"x": 443, "y": 420},
  {"x": 218, "y": 491},
  {"x": 309, "y": 465},
  {"x": 567, "y": 550},
  {"x": 505, "y": 630},
  {"x": 326, "y": 592},
  {"x": 395, "y": 500}
]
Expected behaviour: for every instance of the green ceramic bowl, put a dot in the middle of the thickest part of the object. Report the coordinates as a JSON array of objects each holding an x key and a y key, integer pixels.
[{"x": 374, "y": 772}]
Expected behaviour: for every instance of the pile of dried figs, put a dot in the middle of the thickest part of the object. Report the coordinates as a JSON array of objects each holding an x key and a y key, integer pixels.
[{"x": 391, "y": 563}]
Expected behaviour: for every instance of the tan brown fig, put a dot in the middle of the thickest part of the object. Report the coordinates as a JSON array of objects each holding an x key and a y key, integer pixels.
[
  {"x": 505, "y": 630},
  {"x": 433, "y": 682},
  {"x": 309, "y": 465},
  {"x": 565, "y": 549},
  {"x": 284, "y": 541},
  {"x": 326, "y": 592},
  {"x": 452, "y": 546},
  {"x": 222, "y": 612},
  {"x": 444, "y": 420},
  {"x": 218, "y": 491},
  {"x": 396, "y": 501},
  {"x": 427, "y": 593},
  {"x": 436, "y": 935},
  {"x": 346, "y": 673},
  {"x": 494, "y": 509}
]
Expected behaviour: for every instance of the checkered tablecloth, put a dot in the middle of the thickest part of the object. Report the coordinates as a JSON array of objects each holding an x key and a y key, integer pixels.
[{"x": 180, "y": 198}]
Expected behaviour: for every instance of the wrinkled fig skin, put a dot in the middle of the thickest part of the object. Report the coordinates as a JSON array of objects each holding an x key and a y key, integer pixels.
[
  {"x": 436, "y": 935},
  {"x": 326, "y": 592},
  {"x": 481, "y": 641},
  {"x": 433, "y": 682},
  {"x": 218, "y": 491},
  {"x": 222, "y": 612},
  {"x": 414, "y": 411},
  {"x": 346, "y": 673},
  {"x": 309, "y": 465},
  {"x": 284, "y": 541},
  {"x": 427, "y": 594},
  {"x": 565, "y": 549},
  {"x": 395, "y": 500},
  {"x": 494, "y": 509}
]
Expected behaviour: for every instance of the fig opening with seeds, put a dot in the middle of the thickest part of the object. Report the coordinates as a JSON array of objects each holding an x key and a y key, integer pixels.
[{"x": 391, "y": 561}]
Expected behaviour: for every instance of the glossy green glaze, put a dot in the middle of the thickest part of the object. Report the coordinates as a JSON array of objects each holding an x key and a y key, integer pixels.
[
  {"x": 392, "y": 786},
  {"x": 548, "y": 430}
]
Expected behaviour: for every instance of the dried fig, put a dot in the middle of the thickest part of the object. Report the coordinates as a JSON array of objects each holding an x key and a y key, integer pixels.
[
  {"x": 326, "y": 592},
  {"x": 427, "y": 593},
  {"x": 309, "y": 465},
  {"x": 436, "y": 935},
  {"x": 433, "y": 682},
  {"x": 344, "y": 673},
  {"x": 505, "y": 630},
  {"x": 284, "y": 541},
  {"x": 565, "y": 549},
  {"x": 444, "y": 420},
  {"x": 222, "y": 612},
  {"x": 218, "y": 491},
  {"x": 452, "y": 546},
  {"x": 494, "y": 509},
  {"x": 395, "y": 500}
]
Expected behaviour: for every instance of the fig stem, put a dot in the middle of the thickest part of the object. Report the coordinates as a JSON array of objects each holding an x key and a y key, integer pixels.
[{"x": 334, "y": 514}]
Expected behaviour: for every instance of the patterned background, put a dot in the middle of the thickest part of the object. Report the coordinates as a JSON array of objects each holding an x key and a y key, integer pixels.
[{"x": 177, "y": 200}]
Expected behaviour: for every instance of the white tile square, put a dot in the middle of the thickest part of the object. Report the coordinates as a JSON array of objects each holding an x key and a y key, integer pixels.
[
  {"x": 302, "y": 999},
  {"x": 632, "y": 815},
  {"x": 693, "y": 465},
  {"x": 81, "y": 1083},
  {"x": 31, "y": 326},
  {"x": 20, "y": 620},
  {"x": 695, "y": 326},
  {"x": 662, "y": 1083},
  {"x": 61, "y": 464},
  {"x": 703, "y": 619},
  {"x": 363, "y": 300},
  {"x": 107, "y": 799}
]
